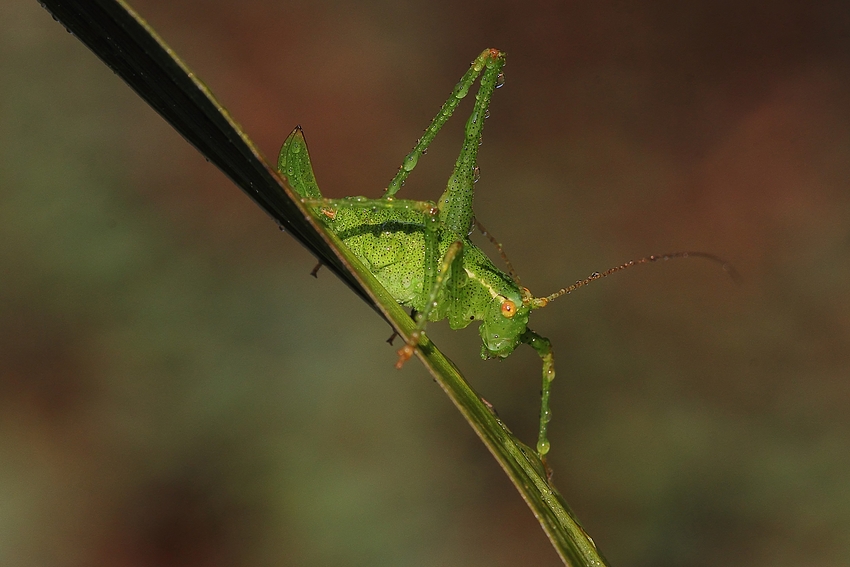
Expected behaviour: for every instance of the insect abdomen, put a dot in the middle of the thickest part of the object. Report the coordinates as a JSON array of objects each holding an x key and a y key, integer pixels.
[{"x": 391, "y": 245}]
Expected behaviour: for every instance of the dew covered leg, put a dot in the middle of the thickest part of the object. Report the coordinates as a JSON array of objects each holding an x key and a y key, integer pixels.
[
  {"x": 484, "y": 61},
  {"x": 544, "y": 349},
  {"x": 455, "y": 204},
  {"x": 452, "y": 255}
]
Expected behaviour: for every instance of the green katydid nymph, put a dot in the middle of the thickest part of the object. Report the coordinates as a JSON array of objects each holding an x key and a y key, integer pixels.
[{"x": 420, "y": 251}]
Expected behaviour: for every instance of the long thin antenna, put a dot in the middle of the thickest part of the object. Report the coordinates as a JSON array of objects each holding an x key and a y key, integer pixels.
[{"x": 727, "y": 267}]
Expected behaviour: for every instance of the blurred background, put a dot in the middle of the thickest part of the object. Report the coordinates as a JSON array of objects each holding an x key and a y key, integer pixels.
[{"x": 176, "y": 390}]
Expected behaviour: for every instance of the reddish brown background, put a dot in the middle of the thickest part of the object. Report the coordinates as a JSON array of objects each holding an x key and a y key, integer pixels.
[{"x": 176, "y": 390}]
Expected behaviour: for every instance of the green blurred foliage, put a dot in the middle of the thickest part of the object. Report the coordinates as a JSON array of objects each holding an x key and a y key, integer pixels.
[{"x": 176, "y": 390}]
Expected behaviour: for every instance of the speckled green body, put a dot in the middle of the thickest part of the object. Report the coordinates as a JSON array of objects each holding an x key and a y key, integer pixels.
[
  {"x": 391, "y": 244},
  {"x": 421, "y": 251}
]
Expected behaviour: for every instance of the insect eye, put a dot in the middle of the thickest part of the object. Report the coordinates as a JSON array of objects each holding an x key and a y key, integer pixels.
[{"x": 508, "y": 308}]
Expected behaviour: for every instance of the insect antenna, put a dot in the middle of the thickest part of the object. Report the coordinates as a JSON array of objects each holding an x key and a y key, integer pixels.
[
  {"x": 498, "y": 245},
  {"x": 727, "y": 267}
]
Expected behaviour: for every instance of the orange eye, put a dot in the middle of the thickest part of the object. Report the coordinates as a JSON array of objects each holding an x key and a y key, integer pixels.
[{"x": 508, "y": 308}]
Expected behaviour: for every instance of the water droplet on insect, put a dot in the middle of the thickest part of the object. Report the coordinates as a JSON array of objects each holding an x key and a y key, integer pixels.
[
  {"x": 410, "y": 161},
  {"x": 461, "y": 90},
  {"x": 471, "y": 124},
  {"x": 476, "y": 174},
  {"x": 595, "y": 275},
  {"x": 500, "y": 80}
]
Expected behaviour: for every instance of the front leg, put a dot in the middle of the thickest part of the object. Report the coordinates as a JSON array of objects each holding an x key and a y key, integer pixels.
[{"x": 544, "y": 349}]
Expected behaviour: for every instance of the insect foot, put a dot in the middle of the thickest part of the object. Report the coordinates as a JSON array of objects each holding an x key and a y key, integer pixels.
[{"x": 406, "y": 352}]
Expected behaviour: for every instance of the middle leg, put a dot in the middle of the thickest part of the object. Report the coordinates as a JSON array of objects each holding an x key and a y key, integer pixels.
[{"x": 453, "y": 255}]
